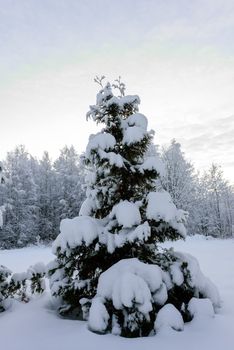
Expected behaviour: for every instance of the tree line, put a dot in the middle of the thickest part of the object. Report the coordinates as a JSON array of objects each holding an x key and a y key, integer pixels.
[
  {"x": 208, "y": 196},
  {"x": 35, "y": 195}
]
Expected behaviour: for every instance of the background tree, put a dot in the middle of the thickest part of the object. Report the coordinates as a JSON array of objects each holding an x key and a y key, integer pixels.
[
  {"x": 180, "y": 181},
  {"x": 2, "y": 196},
  {"x": 59, "y": 190},
  {"x": 217, "y": 203},
  {"x": 20, "y": 216},
  {"x": 69, "y": 179},
  {"x": 47, "y": 198},
  {"x": 36, "y": 195}
]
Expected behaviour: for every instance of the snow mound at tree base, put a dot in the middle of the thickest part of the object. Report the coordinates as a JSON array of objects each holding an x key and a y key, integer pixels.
[{"x": 137, "y": 299}]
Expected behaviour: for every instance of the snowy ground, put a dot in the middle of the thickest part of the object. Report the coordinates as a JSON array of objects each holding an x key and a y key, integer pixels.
[{"x": 36, "y": 325}]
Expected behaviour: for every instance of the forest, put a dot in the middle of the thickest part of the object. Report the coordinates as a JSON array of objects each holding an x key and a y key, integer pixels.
[{"x": 36, "y": 194}]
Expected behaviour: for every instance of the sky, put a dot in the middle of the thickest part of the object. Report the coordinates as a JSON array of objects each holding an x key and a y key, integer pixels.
[{"x": 177, "y": 55}]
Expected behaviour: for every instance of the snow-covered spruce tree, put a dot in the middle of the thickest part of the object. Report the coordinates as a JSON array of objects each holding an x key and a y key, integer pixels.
[{"x": 109, "y": 268}]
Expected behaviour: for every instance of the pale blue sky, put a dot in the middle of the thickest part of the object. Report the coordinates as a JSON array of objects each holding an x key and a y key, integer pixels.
[{"x": 177, "y": 55}]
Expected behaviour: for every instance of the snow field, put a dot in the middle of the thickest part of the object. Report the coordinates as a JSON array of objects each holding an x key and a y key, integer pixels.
[{"x": 36, "y": 324}]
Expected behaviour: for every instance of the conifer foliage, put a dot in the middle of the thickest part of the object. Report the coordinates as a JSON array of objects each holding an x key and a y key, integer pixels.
[
  {"x": 109, "y": 268},
  {"x": 21, "y": 286}
]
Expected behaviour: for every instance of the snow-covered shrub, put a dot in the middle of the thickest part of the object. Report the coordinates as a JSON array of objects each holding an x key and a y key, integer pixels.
[
  {"x": 4, "y": 286},
  {"x": 35, "y": 275},
  {"x": 21, "y": 285},
  {"x": 108, "y": 268},
  {"x": 18, "y": 286}
]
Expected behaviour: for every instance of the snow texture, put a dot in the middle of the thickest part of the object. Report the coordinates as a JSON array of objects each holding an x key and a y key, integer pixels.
[
  {"x": 126, "y": 213},
  {"x": 19, "y": 276},
  {"x": 98, "y": 316},
  {"x": 112, "y": 158},
  {"x": 138, "y": 119},
  {"x": 36, "y": 326},
  {"x": 104, "y": 94},
  {"x": 38, "y": 268},
  {"x": 75, "y": 232},
  {"x": 123, "y": 101},
  {"x": 177, "y": 275},
  {"x": 161, "y": 207},
  {"x": 85, "y": 229},
  {"x": 141, "y": 232},
  {"x": 87, "y": 207},
  {"x": 128, "y": 282},
  {"x": 153, "y": 163},
  {"x": 103, "y": 141},
  {"x": 131, "y": 283},
  {"x": 200, "y": 309},
  {"x": 169, "y": 317},
  {"x": 198, "y": 280},
  {"x": 105, "y": 101},
  {"x": 133, "y": 134}
]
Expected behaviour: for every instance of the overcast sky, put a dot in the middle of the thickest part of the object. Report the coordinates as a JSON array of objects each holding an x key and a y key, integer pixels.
[{"x": 178, "y": 56}]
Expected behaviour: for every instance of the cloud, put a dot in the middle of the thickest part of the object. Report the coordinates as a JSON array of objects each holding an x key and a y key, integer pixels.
[{"x": 210, "y": 141}]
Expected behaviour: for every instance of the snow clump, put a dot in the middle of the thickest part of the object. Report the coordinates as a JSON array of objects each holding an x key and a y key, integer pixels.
[
  {"x": 200, "y": 308},
  {"x": 129, "y": 285},
  {"x": 127, "y": 214},
  {"x": 161, "y": 207},
  {"x": 197, "y": 280},
  {"x": 133, "y": 134},
  {"x": 103, "y": 141},
  {"x": 169, "y": 317},
  {"x": 138, "y": 119},
  {"x": 153, "y": 163},
  {"x": 75, "y": 232},
  {"x": 98, "y": 316}
]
